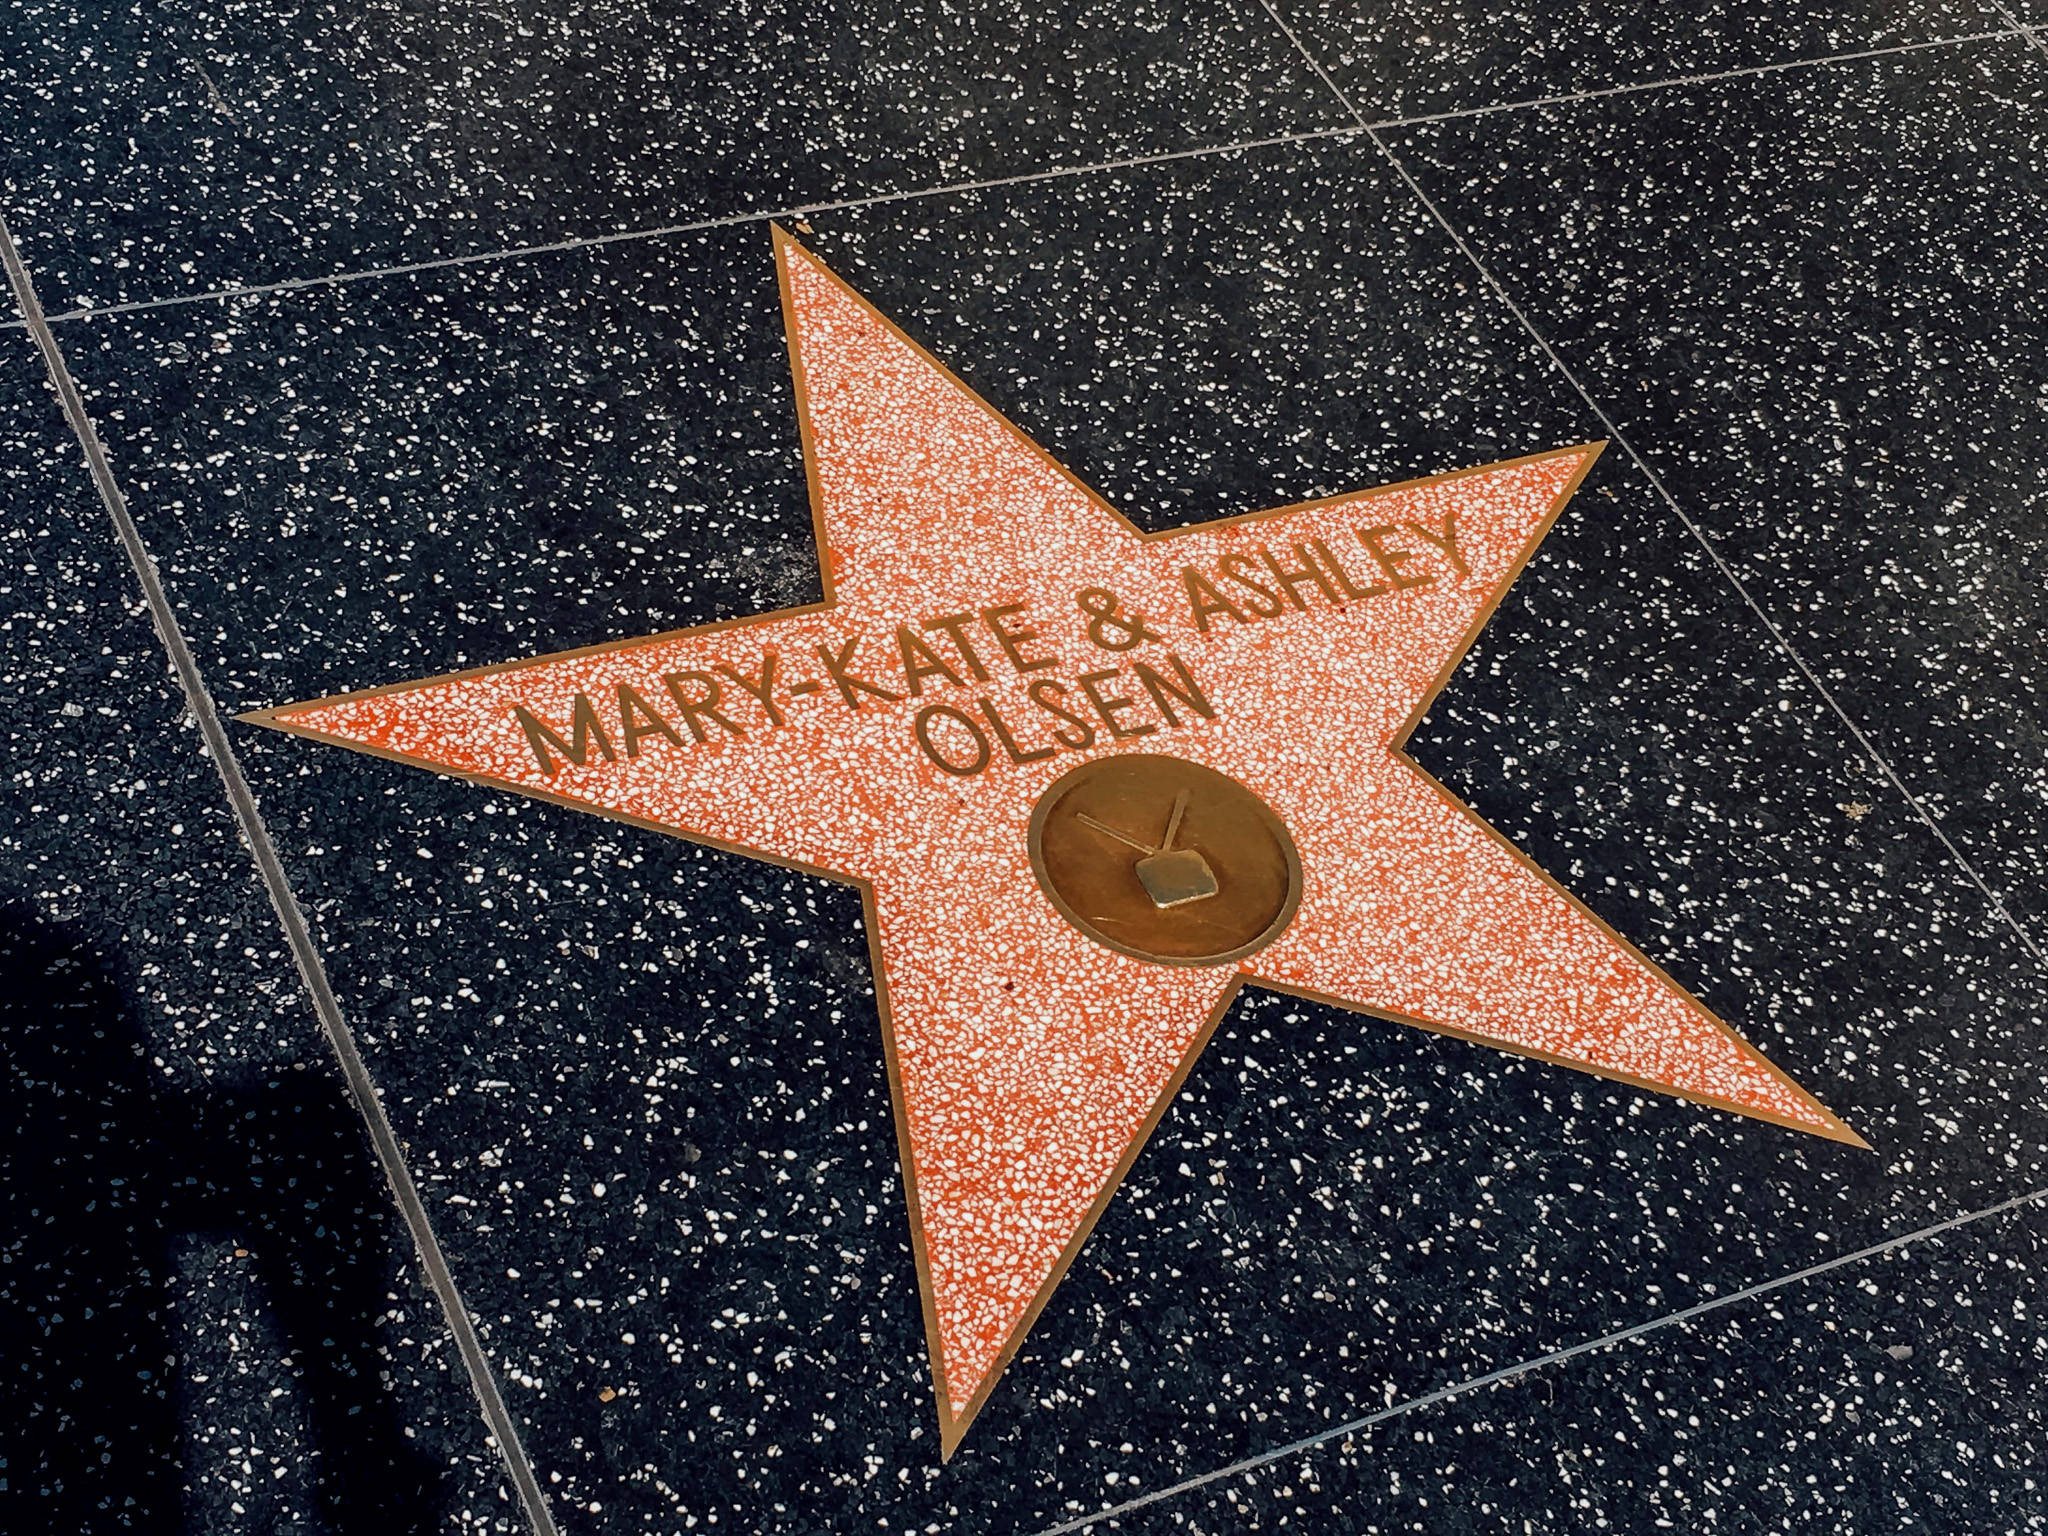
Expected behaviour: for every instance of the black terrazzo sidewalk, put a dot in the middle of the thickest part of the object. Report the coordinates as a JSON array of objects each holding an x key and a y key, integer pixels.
[{"x": 1768, "y": 699}]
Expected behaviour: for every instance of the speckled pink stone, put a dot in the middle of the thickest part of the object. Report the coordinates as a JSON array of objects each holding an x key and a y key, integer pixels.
[{"x": 1030, "y": 1061}]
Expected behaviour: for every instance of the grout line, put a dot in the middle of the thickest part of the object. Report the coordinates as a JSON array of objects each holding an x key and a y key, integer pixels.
[
  {"x": 1322, "y": 74},
  {"x": 1556, "y": 1357},
  {"x": 1060, "y": 173},
  {"x": 1691, "y": 526},
  {"x": 1750, "y": 71},
  {"x": 724, "y": 221},
  {"x": 2032, "y": 35},
  {"x": 311, "y": 970},
  {"x": 1721, "y": 564}
]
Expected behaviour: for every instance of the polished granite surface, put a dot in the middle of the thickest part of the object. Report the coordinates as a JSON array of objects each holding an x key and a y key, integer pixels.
[
  {"x": 1420, "y": 58},
  {"x": 191, "y": 147},
  {"x": 217, "y": 1322},
  {"x": 1766, "y": 699}
]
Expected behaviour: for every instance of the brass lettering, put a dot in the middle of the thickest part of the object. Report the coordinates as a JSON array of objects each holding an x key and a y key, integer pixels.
[
  {"x": 1012, "y": 640},
  {"x": 585, "y": 729},
  {"x": 1350, "y": 588},
  {"x": 705, "y": 707},
  {"x": 838, "y": 665},
  {"x": 1009, "y": 742},
  {"x": 763, "y": 688},
  {"x": 966, "y": 770},
  {"x": 1047, "y": 695},
  {"x": 649, "y": 723},
  {"x": 1233, "y": 568},
  {"x": 1446, "y": 542},
  {"x": 920, "y": 661},
  {"x": 1112, "y": 706},
  {"x": 1391, "y": 560},
  {"x": 955, "y": 625},
  {"x": 1189, "y": 692},
  {"x": 1204, "y": 599},
  {"x": 1296, "y": 579}
]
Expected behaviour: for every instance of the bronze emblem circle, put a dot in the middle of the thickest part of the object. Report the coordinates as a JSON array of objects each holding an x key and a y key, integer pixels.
[{"x": 1165, "y": 859}]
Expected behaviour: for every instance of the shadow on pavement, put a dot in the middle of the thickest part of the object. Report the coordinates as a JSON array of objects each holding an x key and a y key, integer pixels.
[{"x": 102, "y": 1169}]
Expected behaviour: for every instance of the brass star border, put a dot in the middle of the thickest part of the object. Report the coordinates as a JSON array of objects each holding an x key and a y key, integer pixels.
[{"x": 1290, "y": 652}]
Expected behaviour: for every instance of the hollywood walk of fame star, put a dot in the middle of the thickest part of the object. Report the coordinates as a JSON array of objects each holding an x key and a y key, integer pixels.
[{"x": 1091, "y": 782}]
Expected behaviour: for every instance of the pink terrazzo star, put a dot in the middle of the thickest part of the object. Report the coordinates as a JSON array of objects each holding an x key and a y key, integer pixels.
[{"x": 989, "y": 623}]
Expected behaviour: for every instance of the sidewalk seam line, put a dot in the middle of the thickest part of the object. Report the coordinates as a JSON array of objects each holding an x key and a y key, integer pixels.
[
  {"x": 954, "y": 189},
  {"x": 1510, "y": 1373},
  {"x": 2031, "y": 34},
  {"x": 312, "y": 970},
  {"x": 1699, "y": 534}
]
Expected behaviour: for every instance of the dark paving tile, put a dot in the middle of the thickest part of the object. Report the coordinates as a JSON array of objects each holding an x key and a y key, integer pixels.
[
  {"x": 1418, "y": 57},
  {"x": 188, "y": 1204},
  {"x": 1817, "y": 304},
  {"x": 160, "y": 150},
  {"x": 643, "y": 1081},
  {"x": 1902, "y": 1393}
]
